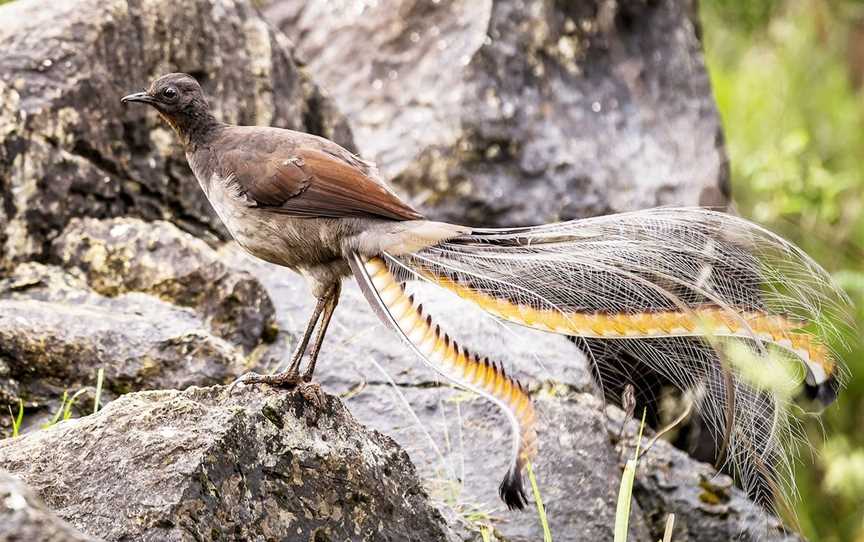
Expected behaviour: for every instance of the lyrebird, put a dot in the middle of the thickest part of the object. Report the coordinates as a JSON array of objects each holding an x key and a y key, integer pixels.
[{"x": 686, "y": 291}]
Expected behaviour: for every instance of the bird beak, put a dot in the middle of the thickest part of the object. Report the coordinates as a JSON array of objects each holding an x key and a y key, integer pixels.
[{"x": 142, "y": 97}]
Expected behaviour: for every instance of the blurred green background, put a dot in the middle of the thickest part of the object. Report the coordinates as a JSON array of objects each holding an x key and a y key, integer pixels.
[{"x": 788, "y": 78}]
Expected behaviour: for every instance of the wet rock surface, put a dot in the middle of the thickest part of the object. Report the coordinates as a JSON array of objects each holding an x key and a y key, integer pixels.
[
  {"x": 70, "y": 149},
  {"x": 206, "y": 465},
  {"x": 518, "y": 112},
  {"x": 24, "y": 517}
]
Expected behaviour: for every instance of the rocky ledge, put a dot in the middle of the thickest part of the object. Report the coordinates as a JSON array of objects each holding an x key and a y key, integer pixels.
[
  {"x": 209, "y": 464},
  {"x": 253, "y": 463}
]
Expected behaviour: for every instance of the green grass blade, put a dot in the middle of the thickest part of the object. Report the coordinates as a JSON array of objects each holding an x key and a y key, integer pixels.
[
  {"x": 625, "y": 491},
  {"x": 60, "y": 410},
  {"x": 67, "y": 410},
  {"x": 541, "y": 510},
  {"x": 20, "y": 417},
  {"x": 100, "y": 376},
  {"x": 16, "y": 420},
  {"x": 484, "y": 533}
]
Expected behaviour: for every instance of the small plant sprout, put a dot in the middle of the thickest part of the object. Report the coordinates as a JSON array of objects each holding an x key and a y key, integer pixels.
[
  {"x": 59, "y": 413},
  {"x": 67, "y": 408},
  {"x": 64, "y": 411},
  {"x": 16, "y": 420},
  {"x": 625, "y": 492}
]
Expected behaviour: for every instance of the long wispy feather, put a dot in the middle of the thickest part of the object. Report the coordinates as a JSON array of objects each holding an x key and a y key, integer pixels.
[{"x": 700, "y": 298}]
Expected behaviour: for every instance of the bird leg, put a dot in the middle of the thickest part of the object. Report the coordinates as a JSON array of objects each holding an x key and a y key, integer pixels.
[
  {"x": 291, "y": 377},
  {"x": 297, "y": 356},
  {"x": 330, "y": 306}
]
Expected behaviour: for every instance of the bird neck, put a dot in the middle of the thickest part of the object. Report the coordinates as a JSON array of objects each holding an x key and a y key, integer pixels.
[{"x": 194, "y": 128}]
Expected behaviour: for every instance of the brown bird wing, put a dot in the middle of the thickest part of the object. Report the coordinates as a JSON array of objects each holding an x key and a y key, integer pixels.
[{"x": 308, "y": 182}]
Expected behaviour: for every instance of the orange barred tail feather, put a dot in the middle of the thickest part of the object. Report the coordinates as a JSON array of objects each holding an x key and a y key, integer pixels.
[
  {"x": 696, "y": 322},
  {"x": 455, "y": 363}
]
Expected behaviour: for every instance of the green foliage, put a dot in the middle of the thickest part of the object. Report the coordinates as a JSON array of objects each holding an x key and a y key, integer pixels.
[
  {"x": 794, "y": 126},
  {"x": 745, "y": 15},
  {"x": 775, "y": 371}
]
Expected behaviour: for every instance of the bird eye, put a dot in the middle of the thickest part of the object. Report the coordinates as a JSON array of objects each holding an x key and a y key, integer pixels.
[{"x": 169, "y": 92}]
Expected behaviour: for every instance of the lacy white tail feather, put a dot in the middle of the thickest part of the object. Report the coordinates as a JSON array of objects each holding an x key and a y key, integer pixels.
[{"x": 675, "y": 285}]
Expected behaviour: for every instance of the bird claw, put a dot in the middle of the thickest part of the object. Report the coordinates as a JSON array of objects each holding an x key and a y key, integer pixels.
[
  {"x": 285, "y": 380},
  {"x": 311, "y": 391}
]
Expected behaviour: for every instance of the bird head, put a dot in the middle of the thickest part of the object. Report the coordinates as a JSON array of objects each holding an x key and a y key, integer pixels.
[{"x": 179, "y": 100}]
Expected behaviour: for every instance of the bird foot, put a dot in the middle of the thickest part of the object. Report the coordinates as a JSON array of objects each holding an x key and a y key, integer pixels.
[
  {"x": 311, "y": 391},
  {"x": 286, "y": 379}
]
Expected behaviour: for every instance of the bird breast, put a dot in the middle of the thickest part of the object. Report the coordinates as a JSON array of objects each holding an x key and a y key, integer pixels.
[{"x": 296, "y": 243}]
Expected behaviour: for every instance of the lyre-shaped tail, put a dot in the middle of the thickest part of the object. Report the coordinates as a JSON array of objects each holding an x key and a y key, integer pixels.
[
  {"x": 701, "y": 298},
  {"x": 454, "y": 362}
]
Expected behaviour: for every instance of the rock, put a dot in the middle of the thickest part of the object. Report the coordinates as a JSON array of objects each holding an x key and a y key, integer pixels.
[
  {"x": 55, "y": 334},
  {"x": 461, "y": 447},
  {"x": 127, "y": 255},
  {"x": 23, "y": 516},
  {"x": 507, "y": 113},
  {"x": 544, "y": 110},
  {"x": 68, "y": 148},
  {"x": 205, "y": 464}
]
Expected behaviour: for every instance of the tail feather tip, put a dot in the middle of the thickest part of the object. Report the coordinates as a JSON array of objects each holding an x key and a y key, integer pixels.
[
  {"x": 512, "y": 491},
  {"x": 824, "y": 393}
]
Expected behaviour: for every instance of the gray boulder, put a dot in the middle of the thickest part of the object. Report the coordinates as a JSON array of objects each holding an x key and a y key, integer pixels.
[
  {"x": 70, "y": 149},
  {"x": 25, "y": 518},
  {"x": 122, "y": 255},
  {"x": 207, "y": 465},
  {"x": 55, "y": 334},
  {"x": 500, "y": 112}
]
